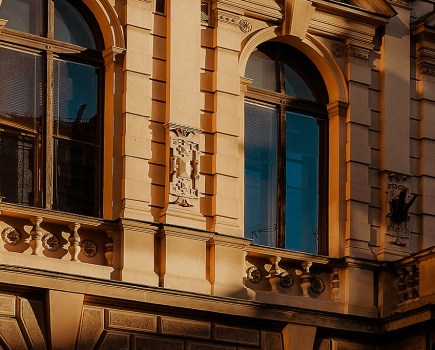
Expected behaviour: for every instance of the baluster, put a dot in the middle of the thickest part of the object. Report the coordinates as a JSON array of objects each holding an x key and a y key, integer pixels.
[
  {"x": 274, "y": 273},
  {"x": 36, "y": 235},
  {"x": 401, "y": 285},
  {"x": 306, "y": 278},
  {"x": 335, "y": 285},
  {"x": 108, "y": 249},
  {"x": 74, "y": 241},
  {"x": 411, "y": 282}
]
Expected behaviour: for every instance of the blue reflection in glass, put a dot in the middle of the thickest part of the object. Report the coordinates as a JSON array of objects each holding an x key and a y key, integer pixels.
[
  {"x": 260, "y": 174},
  {"x": 302, "y": 182}
]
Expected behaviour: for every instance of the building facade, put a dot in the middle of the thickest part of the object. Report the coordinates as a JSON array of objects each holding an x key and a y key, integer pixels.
[{"x": 217, "y": 174}]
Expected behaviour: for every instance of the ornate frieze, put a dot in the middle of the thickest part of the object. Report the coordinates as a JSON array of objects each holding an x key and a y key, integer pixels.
[{"x": 184, "y": 165}]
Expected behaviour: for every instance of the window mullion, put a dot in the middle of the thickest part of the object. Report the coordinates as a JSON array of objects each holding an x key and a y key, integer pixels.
[{"x": 281, "y": 174}]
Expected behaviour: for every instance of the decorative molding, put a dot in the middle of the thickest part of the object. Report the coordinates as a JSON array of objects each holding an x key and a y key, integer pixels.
[
  {"x": 361, "y": 53},
  {"x": 254, "y": 275},
  {"x": 113, "y": 53},
  {"x": 89, "y": 248},
  {"x": 245, "y": 25},
  {"x": 401, "y": 3},
  {"x": 227, "y": 17},
  {"x": 51, "y": 242},
  {"x": 184, "y": 165},
  {"x": 11, "y": 236}
]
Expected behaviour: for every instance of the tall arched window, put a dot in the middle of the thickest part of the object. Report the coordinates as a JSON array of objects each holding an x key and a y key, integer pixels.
[
  {"x": 51, "y": 70},
  {"x": 285, "y": 151}
]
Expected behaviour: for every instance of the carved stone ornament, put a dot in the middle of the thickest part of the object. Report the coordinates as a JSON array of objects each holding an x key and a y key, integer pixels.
[
  {"x": 337, "y": 50},
  {"x": 399, "y": 201},
  {"x": 245, "y": 25},
  {"x": 11, "y": 236},
  {"x": 89, "y": 248},
  {"x": 253, "y": 274},
  {"x": 184, "y": 165},
  {"x": 286, "y": 280},
  {"x": 317, "y": 285},
  {"x": 228, "y": 18},
  {"x": 50, "y": 242}
]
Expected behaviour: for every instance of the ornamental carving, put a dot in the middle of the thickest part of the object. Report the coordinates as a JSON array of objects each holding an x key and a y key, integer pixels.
[
  {"x": 89, "y": 248},
  {"x": 228, "y": 18},
  {"x": 50, "y": 242},
  {"x": 184, "y": 165},
  {"x": 245, "y": 26},
  {"x": 317, "y": 285},
  {"x": 11, "y": 236},
  {"x": 254, "y": 274},
  {"x": 399, "y": 202},
  {"x": 286, "y": 280}
]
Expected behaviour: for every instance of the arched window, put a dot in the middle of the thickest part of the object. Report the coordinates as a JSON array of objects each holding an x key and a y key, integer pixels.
[
  {"x": 51, "y": 69},
  {"x": 285, "y": 151}
]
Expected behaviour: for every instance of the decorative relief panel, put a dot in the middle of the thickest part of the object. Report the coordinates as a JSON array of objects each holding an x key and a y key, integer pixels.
[
  {"x": 399, "y": 202},
  {"x": 184, "y": 165}
]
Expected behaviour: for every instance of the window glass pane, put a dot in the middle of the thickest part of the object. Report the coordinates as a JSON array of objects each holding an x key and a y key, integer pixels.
[
  {"x": 76, "y": 101},
  {"x": 295, "y": 85},
  {"x": 20, "y": 89},
  {"x": 260, "y": 173},
  {"x": 17, "y": 170},
  {"x": 70, "y": 26},
  {"x": 261, "y": 68},
  {"x": 75, "y": 184},
  {"x": 23, "y": 15},
  {"x": 302, "y": 182},
  {"x": 76, "y": 152}
]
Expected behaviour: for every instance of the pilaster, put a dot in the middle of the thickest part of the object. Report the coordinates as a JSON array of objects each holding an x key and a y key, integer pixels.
[
  {"x": 136, "y": 138},
  {"x": 358, "y": 149},
  {"x": 425, "y": 54},
  {"x": 228, "y": 182}
]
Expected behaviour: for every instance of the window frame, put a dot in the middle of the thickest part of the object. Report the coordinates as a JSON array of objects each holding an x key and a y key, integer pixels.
[
  {"x": 51, "y": 49},
  {"x": 285, "y": 103}
]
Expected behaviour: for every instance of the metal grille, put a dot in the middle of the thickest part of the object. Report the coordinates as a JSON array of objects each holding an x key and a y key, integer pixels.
[
  {"x": 161, "y": 6},
  {"x": 205, "y": 12}
]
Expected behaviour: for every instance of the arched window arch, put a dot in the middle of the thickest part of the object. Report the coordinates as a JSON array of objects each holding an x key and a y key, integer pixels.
[
  {"x": 286, "y": 149},
  {"x": 52, "y": 70}
]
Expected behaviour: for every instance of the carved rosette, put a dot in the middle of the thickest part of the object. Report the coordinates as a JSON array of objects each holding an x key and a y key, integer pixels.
[
  {"x": 89, "y": 248},
  {"x": 317, "y": 285},
  {"x": 398, "y": 190},
  {"x": 184, "y": 165},
  {"x": 254, "y": 274},
  {"x": 51, "y": 242},
  {"x": 286, "y": 280},
  {"x": 11, "y": 236},
  {"x": 245, "y": 25}
]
